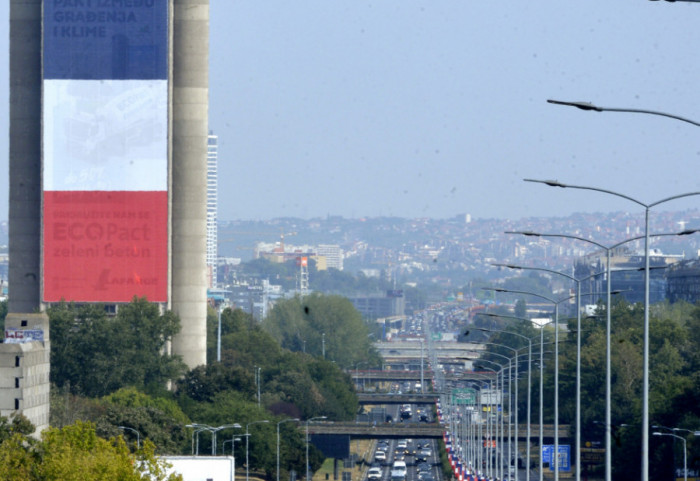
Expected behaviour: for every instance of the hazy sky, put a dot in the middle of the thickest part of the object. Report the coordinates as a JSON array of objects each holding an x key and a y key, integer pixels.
[{"x": 434, "y": 108}]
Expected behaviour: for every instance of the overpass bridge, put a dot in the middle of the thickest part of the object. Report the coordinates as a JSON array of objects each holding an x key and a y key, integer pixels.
[
  {"x": 409, "y": 350},
  {"x": 421, "y": 431},
  {"x": 400, "y": 375},
  {"x": 387, "y": 398}
]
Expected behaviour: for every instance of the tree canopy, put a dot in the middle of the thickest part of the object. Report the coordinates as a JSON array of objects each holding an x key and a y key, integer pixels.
[
  {"x": 76, "y": 452},
  {"x": 674, "y": 380},
  {"x": 322, "y": 325},
  {"x": 95, "y": 355}
]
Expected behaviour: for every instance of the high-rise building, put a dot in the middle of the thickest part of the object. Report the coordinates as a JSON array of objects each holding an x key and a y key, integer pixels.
[
  {"x": 212, "y": 202},
  {"x": 333, "y": 255},
  {"x": 108, "y": 157}
]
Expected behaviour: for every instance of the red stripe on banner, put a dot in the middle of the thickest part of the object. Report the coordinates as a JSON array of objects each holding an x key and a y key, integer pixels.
[{"x": 105, "y": 246}]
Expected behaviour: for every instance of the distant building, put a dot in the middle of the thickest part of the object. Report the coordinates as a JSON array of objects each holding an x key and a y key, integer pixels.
[
  {"x": 333, "y": 255},
  {"x": 683, "y": 281},
  {"x": 25, "y": 368},
  {"x": 212, "y": 207},
  {"x": 374, "y": 307},
  {"x": 255, "y": 299},
  {"x": 627, "y": 274}
]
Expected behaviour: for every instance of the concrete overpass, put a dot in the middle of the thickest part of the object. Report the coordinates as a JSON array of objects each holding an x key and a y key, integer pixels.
[
  {"x": 387, "y": 398},
  {"x": 421, "y": 430},
  {"x": 409, "y": 350},
  {"x": 399, "y": 376}
]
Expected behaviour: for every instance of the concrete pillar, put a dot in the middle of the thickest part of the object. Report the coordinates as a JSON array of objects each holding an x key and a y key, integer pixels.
[
  {"x": 190, "y": 99},
  {"x": 25, "y": 156}
]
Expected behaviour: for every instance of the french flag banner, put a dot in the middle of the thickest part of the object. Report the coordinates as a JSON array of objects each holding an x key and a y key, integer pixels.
[{"x": 105, "y": 151}]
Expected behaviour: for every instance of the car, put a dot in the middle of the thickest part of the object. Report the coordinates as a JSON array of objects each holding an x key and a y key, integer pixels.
[
  {"x": 423, "y": 454},
  {"x": 399, "y": 466},
  {"x": 380, "y": 456},
  {"x": 402, "y": 444},
  {"x": 374, "y": 473}
]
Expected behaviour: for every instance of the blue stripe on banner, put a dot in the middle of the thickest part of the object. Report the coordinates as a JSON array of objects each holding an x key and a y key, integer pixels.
[{"x": 105, "y": 39}]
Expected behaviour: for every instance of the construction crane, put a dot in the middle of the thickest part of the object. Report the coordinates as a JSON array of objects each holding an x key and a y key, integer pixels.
[{"x": 282, "y": 234}]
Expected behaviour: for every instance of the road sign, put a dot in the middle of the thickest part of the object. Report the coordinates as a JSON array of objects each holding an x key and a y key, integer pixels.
[
  {"x": 564, "y": 456},
  {"x": 463, "y": 396}
]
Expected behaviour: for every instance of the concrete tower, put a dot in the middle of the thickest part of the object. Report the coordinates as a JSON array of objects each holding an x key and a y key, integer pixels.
[
  {"x": 161, "y": 73},
  {"x": 189, "y": 177},
  {"x": 24, "y": 274}
]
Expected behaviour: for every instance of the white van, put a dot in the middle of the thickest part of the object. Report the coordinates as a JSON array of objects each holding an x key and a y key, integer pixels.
[{"x": 398, "y": 467}]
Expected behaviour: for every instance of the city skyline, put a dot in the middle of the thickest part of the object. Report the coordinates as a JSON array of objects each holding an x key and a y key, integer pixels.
[{"x": 433, "y": 109}]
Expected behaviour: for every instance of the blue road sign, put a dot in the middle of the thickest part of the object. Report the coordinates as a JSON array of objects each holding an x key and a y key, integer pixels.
[{"x": 564, "y": 456}]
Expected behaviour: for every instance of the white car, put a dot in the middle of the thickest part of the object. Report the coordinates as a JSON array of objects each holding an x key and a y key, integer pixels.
[
  {"x": 374, "y": 474},
  {"x": 380, "y": 456}
]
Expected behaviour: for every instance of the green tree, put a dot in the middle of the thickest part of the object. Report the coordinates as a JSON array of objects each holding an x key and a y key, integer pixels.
[
  {"x": 317, "y": 323},
  {"x": 76, "y": 452},
  {"x": 16, "y": 424},
  {"x": 95, "y": 355}
]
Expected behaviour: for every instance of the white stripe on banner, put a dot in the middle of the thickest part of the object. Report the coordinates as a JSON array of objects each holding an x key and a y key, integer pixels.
[{"x": 105, "y": 135}]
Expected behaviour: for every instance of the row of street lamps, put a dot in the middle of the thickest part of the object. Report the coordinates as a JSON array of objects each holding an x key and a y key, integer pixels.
[
  {"x": 198, "y": 428},
  {"x": 608, "y": 249}
]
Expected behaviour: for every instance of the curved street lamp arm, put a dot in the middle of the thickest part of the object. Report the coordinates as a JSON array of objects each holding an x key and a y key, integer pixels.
[
  {"x": 528, "y": 233},
  {"x": 595, "y": 108},
  {"x": 556, "y": 183},
  {"x": 553, "y": 301}
]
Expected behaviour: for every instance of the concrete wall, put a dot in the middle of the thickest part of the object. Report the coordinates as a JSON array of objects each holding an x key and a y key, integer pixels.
[
  {"x": 25, "y": 155},
  {"x": 190, "y": 101}
]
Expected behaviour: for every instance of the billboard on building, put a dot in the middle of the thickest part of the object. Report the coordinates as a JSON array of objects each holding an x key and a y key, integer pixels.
[{"x": 105, "y": 150}]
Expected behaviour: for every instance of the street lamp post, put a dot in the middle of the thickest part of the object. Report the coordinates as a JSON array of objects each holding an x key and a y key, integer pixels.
[
  {"x": 529, "y": 394},
  {"x": 578, "y": 348},
  {"x": 213, "y": 430},
  {"x": 608, "y": 332},
  {"x": 422, "y": 381},
  {"x": 357, "y": 374},
  {"x": 541, "y": 397},
  {"x": 556, "y": 368},
  {"x": 307, "y": 443},
  {"x": 233, "y": 441},
  {"x": 671, "y": 1},
  {"x": 278, "y": 442},
  {"x": 489, "y": 426},
  {"x": 247, "y": 438},
  {"x": 647, "y": 208},
  {"x": 138, "y": 435},
  {"x": 515, "y": 362},
  {"x": 685, "y": 451}
]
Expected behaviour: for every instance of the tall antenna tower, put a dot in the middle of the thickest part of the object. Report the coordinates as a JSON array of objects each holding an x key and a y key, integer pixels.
[{"x": 303, "y": 275}]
